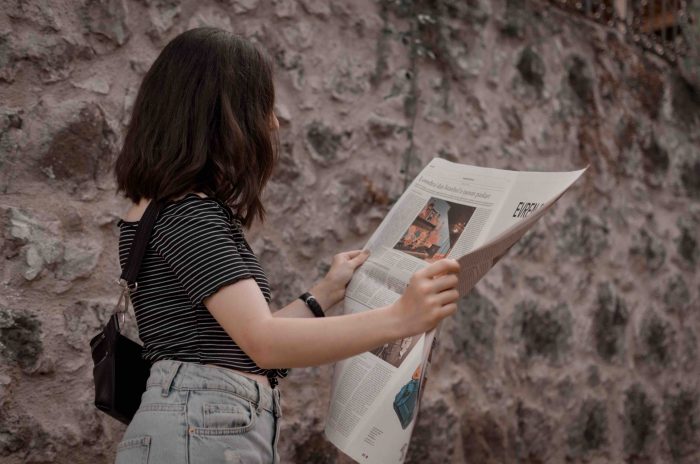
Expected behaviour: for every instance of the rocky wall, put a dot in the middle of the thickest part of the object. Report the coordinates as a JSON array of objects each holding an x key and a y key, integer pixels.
[{"x": 580, "y": 346}]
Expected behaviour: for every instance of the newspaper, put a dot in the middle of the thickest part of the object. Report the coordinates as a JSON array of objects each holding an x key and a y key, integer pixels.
[{"x": 472, "y": 214}]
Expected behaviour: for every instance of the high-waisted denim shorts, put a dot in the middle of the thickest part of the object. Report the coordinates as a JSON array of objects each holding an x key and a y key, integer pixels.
[{"x": 200, "y": 414}]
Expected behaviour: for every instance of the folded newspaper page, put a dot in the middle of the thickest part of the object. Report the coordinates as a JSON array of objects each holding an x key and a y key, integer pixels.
[{"x": 468, "y": 213}]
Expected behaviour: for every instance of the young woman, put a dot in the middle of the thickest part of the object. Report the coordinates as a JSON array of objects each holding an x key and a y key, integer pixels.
[{"x": 202, "y": 139}]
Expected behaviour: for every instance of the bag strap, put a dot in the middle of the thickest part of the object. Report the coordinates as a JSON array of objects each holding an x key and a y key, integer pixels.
[{"x": 138, "y": 248}]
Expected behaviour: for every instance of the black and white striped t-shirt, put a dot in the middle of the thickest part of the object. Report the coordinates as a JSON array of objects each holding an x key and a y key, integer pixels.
[{"x": 197, "y": 246}]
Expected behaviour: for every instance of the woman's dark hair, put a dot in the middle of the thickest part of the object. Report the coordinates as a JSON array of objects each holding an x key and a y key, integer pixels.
[{"x": 202, "y": 121}]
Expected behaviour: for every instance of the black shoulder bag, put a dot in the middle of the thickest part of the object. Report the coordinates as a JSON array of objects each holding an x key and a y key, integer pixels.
[{"x": 119, "y": 370}]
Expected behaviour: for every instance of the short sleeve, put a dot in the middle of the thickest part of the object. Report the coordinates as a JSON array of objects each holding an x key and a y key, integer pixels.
[{"x": 200, "y": 249}]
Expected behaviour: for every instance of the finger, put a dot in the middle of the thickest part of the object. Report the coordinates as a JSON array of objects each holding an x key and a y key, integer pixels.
[
  {"x": 360, "y": 257},
  {"x": 442, "y": 266},
  {"x": 447, "y": 297},
  {"x": 449, "y": 309},
  {"x": 445, "y": 282},
  {"x": 352, "y": 253}
]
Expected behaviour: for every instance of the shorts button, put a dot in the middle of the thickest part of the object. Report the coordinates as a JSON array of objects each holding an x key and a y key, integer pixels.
[{"x": 191, "y": 430}]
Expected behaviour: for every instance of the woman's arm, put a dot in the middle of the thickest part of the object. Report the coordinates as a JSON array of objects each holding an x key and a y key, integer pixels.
[{"x": 280, "y": 342}]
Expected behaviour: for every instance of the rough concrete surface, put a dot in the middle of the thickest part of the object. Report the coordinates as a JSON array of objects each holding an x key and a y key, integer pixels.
[{"x": 580, "y": 346}]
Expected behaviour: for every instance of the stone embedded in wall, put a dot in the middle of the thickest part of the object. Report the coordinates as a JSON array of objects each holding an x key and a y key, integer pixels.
[
  {"x": 579, "y": 79},
  {"x": 682, "y": 423},
  {"x": 85, "y": 318},
  {"x": 299, "y": 36},
  {"x": 107, "y": 18},
  {"x": 363, "y": 203},
  {"x": 41, "y": 246},
  {"x": 348, "y": 81},
  {"x": 320, "y": 8},
  {"x": 293, "y": 63},
  {"x": 20, "y": 338},
  {"x": 515, "y": 20},
  {"x": 626, "y": 133},
  {"x": 44, "y": 247},
  {"x": 579, "y": 233},
  {"x": 533, "y": 435},
  {"x": 96, "y": 83},
  {"x": 689, "y": 350},
  {"x": 434, "y": 435},
  {"x": 688, "y": 240},
  {"x": 324, "y": 144},
  {"x": 39, "y": 13},
  {"x": 440, "y": 108},
  {"x": 80, "y": 258},
  {"x": 607, "y": 82},
  {"x": 483, "y": 439},
  {"x": 53, "y": 57},
  {"x": 536, "y": 283},
  {"x": 610, "y": 318},
  {"x": 285, "y": 9},
  {"x": 474, "y": 116},
  {"x": 243, "y": 6},
  {"x": 646, "y": 251},
  {"x": 23, "y": 437},
  {"x": 210, "y": 17},
  {"x": 532, "y": 245},
  {"x": 685, "y": 102},
  {"x": 11, "y": 133},
  {"x": 655, "y": 161},
  {"x": 541, "y": 333},
  {"x": 531, "y": 69},
  {"x": 513, "y": 123},
  {"x": 593, "y": 148},
  {"x": 8, "y": 63},
  {"x": 690, "y": 177},
  {"x": 656, "y": 343},
  {"x": 588, "y": 434},
  {"x": 646, "y": 83},
  {"x": 449, "y": 153},
  {"x": 82, "y": 150},
  {"x": 593, "y": 376},
  {"x": 163, "y": 15},
  {"x": 289, "y": 168},
  {"x": 677, "y": 296},
  {"x": 640, "y": 418},
  {"x": 380, "y": 128},
  {"x": 475, "y": 327}
]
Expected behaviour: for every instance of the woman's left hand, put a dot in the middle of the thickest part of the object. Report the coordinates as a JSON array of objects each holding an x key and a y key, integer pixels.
[{"x": 342, "y": 269}]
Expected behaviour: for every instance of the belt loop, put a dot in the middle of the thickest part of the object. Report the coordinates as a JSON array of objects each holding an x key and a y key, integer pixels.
[
  {"x": 168, "y": 381},
  {"x": 258, "y": 404}
]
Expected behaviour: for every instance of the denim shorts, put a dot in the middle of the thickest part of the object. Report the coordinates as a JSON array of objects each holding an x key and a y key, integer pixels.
[{"x": 195, "y": 414}]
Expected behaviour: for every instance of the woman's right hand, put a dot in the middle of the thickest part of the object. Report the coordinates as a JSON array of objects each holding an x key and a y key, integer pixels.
[{"x": 430, "y": 296}]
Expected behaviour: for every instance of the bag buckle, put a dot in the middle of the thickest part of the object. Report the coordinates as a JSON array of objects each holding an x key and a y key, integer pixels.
[
  {"x": 125, "y": 296},
  {"x": 125, "y": 285}
]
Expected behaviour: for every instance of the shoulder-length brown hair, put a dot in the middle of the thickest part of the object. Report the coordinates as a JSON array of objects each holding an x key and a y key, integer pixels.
[{"x": 202, "y": 122}]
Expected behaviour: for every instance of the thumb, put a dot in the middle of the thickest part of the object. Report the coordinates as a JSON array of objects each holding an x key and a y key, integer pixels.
[{"x": 360, "y": 258}]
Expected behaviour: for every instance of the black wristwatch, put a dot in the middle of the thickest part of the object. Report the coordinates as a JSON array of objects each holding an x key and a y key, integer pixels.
[{"x": 313, "y": 305}]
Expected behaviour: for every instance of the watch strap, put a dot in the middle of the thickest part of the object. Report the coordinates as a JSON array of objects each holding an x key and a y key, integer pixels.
[{"x": 313, "y": 304}]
